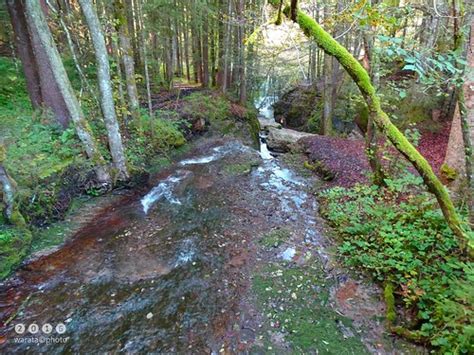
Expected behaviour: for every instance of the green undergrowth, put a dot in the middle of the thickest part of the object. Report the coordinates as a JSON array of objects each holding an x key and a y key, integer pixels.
[
  {"x": 295, "y": 301},
  {"x": 14, "y": 246},
  {"x": 152, "y": 141},
  {"x": 223, "y": 116},
  {"x": 399, "y": 236},
  {"x": 207, "y": 106}
]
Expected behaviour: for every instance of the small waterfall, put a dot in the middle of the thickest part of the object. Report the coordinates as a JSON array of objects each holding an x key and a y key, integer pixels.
[
  {"x": 164, "y": 190},
  {"x": 264, "y": 152},
  {"x": 205, "y": 159},
  {"x": 264, "y": 105}
]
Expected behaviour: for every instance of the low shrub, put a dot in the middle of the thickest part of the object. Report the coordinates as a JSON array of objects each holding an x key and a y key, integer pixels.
[
  {"x": 154, "y": 137},
  {"x": 400, "y": 237},
  {"x": 206, "y": 106}
]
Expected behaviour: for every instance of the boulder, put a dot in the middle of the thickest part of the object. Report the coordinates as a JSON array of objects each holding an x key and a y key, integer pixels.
[
  {"x": 295, "y": 107},
  {"x": 283, "y": 140},
  {"x": 266, "y": 124}
]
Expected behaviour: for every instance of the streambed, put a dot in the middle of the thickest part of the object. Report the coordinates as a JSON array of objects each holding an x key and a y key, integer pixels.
[{"x": 171, "y": 268}]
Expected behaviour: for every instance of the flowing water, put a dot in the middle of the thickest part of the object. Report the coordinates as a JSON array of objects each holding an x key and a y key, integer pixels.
[
  {"x": 157, "y": 270},
  {"x": 166, "y": 268}
]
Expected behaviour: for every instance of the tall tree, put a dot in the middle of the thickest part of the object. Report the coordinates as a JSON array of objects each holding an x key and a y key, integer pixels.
[
  {"x": 44, "y": 41},
  {"x": 43, "y": 91},
  {"x": 127, "y": 57},
  {"x": 25, "y": 51},
  {"x": 105, "y": 87},
  {"x": 241, "y": 48},
  {"x": 466, "y": 105}
]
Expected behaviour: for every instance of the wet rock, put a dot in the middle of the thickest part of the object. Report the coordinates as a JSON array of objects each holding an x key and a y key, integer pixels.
[
  {"x": 356, "y": 134},
  {"x": 284, "y": 140},
  {"x": 266, "y": 124}
]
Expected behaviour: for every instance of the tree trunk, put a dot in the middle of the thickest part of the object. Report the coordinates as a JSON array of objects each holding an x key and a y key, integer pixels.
[
  {"x": 116, "y": 56},
  {"x": 25, "y": 51},
  {"x": 360, "y": 76},
  {"x": 143, "y": 36},
  {"x": 8, "y": 186},
  {"x": 205, "y": 50},
  {"x": 50, "y": 91},
  {"x": 371, "y": 136},
  {"x": 225, "y": 78},
  {"x": 196, "y": 54},
  {"x": 326, "y": 124},
  {"x": 186, "y": 45},
  {"x": 105, "y": 87},
  {"x": 127, "y": 57},
  {"x": 38, "y": 23},
  {"x": 241, "y": 48},
  {"x": 129, "y": 7},
  {"x": 221, "y": 44},
  {"x": 213, "y": 56},
  {"x": 466, "y": 105}
]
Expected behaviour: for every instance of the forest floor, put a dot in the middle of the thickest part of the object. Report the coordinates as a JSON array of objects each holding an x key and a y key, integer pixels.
[{"x": 347, "y": 160}]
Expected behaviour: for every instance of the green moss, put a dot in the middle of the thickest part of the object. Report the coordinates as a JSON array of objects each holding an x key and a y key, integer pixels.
[
  {"x": 275, "y": 238},
  {"x": 14, "y": 245},
  {"x": 3, "y": 153},
  {"x": 240, "y": 168},
  {"x": 321, "y": 169},
  {"x": 295, "y": 301},
  {"x": 17, "y": 219},
  {"x": 205, "y": 106},
  {"x": 254, "y": 124},
  {"x": 389, "y": 298},
  {"x": 274, "y": 3},
  {"x": 448, "y": 173}
]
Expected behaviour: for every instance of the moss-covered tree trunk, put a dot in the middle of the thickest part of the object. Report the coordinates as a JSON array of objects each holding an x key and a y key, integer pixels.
[{"x": 360, "y": 76}]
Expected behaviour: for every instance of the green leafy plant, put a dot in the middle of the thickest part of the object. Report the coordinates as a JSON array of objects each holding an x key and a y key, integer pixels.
[{"x": 398, "y": 236}]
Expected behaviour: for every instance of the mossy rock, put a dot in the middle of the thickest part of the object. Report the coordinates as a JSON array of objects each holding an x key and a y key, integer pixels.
[
  {"x": 321, "y": 169},
  {"x": 240, "y": 168}
]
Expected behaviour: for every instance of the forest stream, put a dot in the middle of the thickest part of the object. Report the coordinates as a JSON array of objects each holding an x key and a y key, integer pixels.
[
  {"x": 236, "y": 177},
  {"x": 172, "y": 268}
]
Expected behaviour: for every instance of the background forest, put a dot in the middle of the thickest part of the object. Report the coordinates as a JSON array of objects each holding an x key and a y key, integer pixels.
[{"x": 97, "y": 95}]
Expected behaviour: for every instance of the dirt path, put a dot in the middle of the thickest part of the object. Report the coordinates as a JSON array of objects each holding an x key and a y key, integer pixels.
[{"x": 223, "y": 252}]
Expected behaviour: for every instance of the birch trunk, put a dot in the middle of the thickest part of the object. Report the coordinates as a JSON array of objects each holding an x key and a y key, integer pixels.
[
  {"x": 8, "y": 186},
  {"x": 105, "y": 88}
]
